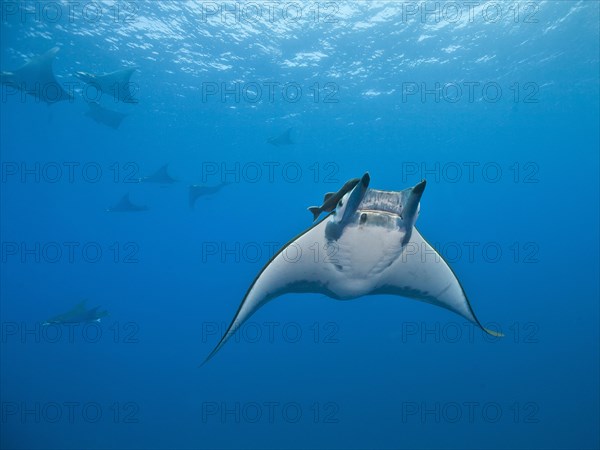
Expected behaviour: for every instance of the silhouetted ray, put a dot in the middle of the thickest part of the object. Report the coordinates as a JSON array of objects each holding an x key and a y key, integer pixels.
[
  {"x": 283, "y": 139},
  {"x": 197, "y": 191},
  {"x": 36, "y": 78},
  {"x": 116, "y": 83},
  {"x": 78, "y": 314},
  {"x": 105, "y": 116},
  {"x": 125, "y": 205},
  {"x": 161, "y": 176}
]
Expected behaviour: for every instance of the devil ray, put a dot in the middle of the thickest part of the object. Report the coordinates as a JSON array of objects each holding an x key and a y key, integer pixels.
[{"x": 376, "y": 250}]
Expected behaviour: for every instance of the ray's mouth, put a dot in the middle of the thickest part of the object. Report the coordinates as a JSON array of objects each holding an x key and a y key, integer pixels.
[{"x": 382, "y": 212}]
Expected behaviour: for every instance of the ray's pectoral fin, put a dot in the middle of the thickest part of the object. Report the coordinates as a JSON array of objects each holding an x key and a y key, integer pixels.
[
  {"x": 422, "y": 273},
  {"x": 291, "y": 270}
]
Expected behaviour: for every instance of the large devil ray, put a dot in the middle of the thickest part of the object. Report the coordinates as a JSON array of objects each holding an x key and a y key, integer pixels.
[
  {"x": 36, "y": 78},
  {"x": 367, "y": 246}
]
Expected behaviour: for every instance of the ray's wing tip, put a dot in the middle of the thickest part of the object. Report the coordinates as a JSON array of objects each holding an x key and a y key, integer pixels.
[
  {"x": 203, "y": 363},
  {"x": 494, "y": 333},
  {"x": 209, "y": 357}
]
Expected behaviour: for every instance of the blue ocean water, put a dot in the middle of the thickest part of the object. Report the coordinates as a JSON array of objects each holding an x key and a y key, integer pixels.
[{"x": 495, "y": 104}]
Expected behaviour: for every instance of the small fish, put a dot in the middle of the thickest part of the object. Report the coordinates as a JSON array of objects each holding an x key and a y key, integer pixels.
[{"x": 332, "y": 198}]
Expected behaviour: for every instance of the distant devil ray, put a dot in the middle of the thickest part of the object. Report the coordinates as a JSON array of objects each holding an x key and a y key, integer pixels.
[
  {"x": 161, "y": 176},
  {"x": 117, "y": 83},
  {"x": 37, "y": 79},
  {"x": 125, "y": 205},
  {"x": 78, "y": 314},
  {"x": 284, "y": 139},
  {"x": 105, "y": 116},
  {"x": 197, "y": 191}
]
